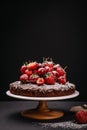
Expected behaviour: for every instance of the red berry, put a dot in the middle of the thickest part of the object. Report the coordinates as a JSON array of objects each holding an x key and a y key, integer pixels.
[
  {"x": 55, "y": 73},
  {"x": 35, "y": 71},
  {"x": 60, "y": 71},
  {"x": 56, "y": 66},
  {"x": 28, "y": 72},
  {"x": 41, "y": 71},
  {"x": 81, "y": 117},
  {"x": 48, "y": 69},
  {"x": 50, "y": 78},
  {"x": 33, "y": 78},
  {"x": 62, "y": 79},
  {"x": 32, "y": 65},
  {"x": 24, "y": 77},
  {"x": 48, "y": 63},
  {"x": 23, "y": 68},
  {"x": 40, "y": 81}
]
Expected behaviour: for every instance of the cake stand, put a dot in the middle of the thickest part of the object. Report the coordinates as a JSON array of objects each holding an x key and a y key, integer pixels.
[{"x": 42, "y": 112}]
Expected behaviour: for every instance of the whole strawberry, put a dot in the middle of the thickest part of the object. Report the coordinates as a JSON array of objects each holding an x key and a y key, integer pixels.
[
  {"x": 33, "y": 78},
  {"x": 50, "y": 78},
  {"x": 32, "y": 65},
  {"x": 60, "y": 71},
  {"x": 62, "y": 79},
  {"x": 81, "y": 117},
  {"x": 23, "y": 68},
  {"x": 24, "y": 78},
  {"x": 41, "y": 71}
]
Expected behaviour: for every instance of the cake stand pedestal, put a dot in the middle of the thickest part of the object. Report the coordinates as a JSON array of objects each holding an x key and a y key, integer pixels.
[{"x": 42, "y": 112}]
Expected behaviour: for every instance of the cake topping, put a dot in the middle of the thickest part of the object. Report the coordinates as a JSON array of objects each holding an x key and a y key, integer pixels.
[
  {"x": 40, "y": 81},
  {"x": 39, "y": 73}
]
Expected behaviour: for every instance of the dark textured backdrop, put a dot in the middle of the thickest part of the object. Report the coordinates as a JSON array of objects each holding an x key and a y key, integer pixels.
[{"x": 33, "y": 30}]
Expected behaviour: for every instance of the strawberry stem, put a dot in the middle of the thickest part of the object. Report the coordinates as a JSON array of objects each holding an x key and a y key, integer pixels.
[{"x": 65, "y": 67}]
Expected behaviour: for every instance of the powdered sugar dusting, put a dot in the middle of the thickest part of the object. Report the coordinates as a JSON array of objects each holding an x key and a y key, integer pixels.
[
  {"x": 66, "y": 125},
  {"x": 43, "y": 87}
]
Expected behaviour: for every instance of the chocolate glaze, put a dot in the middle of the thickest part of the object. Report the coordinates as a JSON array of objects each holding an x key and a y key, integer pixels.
[{"x": 41, "y": 88}]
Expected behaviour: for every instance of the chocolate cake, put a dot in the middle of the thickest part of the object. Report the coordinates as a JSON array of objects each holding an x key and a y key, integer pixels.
[
  {"x": 45, "y": 79},
  {"x": 44, "y": 90}
]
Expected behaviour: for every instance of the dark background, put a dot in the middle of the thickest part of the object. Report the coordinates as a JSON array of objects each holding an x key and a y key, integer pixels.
[{"x": 33, "y": 30}]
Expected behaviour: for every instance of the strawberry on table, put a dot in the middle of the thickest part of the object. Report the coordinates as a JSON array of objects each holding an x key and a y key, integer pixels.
[
  {"x": 32, "y": 65},
  {"x": 40, "y": 81},
  {"x": 81, "y": 117}
]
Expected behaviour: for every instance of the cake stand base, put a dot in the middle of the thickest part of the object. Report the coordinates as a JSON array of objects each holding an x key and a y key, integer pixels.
[{"x": 42, "y": 112}]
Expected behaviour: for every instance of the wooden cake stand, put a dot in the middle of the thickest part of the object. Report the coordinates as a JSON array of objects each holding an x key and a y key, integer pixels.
[{"x": 42, "y": 112}]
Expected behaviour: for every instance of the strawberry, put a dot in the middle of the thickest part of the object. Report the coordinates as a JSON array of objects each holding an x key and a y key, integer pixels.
[
  {"x": 28, "y": 72},
  {"x": 23, "y": 68},
  {"x": 32, "y": 65},
  {"x": 48, "y": 69},
  {"x": 24, "y": 78},
  {"x": 40, "y": 81},
  {"x": 60, "y": 71},
  {"x": 35, "y": 71},
  {"x": 55, "y": 73},
  {"x": 33, "y": 78},
  {"x": 41, "y": 71},
  {"x": 62, "y": 79},
  {"x": 56, "y": 66},
  {"x": 40, "y": 65},
  {"x": 50, "y": 78},
  {"x": 81, "y": 117},
  {"x": 48, "y": 63}
]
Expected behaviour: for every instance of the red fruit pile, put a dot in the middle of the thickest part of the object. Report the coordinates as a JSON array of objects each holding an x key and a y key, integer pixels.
[
  {"x": 46, "y": 72},
  {"x": 81, "y": 117}
]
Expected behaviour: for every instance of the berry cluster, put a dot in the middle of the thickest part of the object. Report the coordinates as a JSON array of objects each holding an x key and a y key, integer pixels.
[
  {"x": 81, "y": 117},
  {"x": 46, "y": 72}
]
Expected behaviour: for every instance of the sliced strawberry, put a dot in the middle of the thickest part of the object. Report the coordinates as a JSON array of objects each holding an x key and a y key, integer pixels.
[
  {"x": 62, "y": 79},
  {"x": 41, "y": 71},
  {"x": 50, "y": 78},
  {"x": 23, "y": 68},
  {"x": 40, "y": 81},
  {"x": 32, "y": 65},
  {"x": 33, "y": 78},
  {"x": 24, "y": 78}
]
